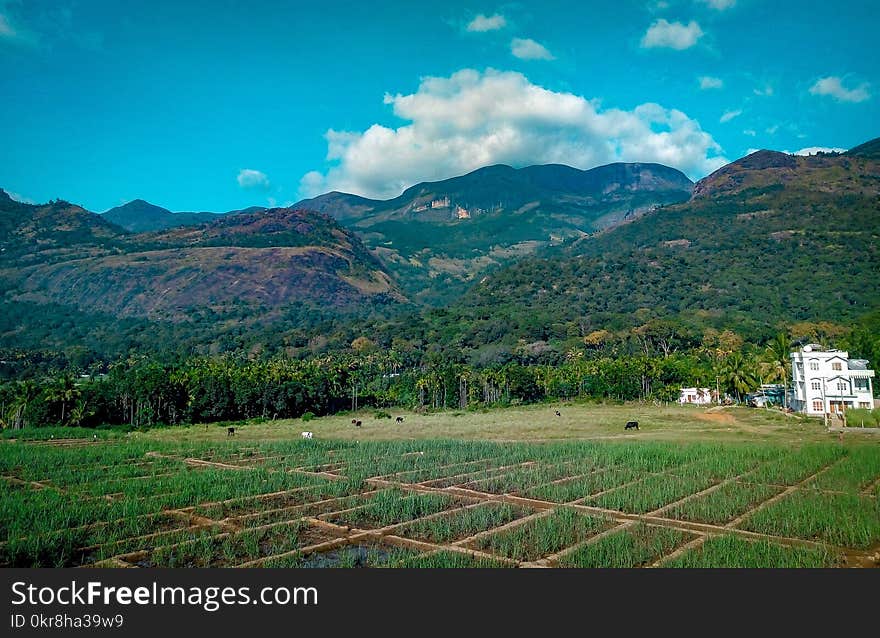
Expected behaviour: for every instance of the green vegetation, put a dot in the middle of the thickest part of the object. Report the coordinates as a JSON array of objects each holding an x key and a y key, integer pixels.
[
  {"x": 541, "y": 537},
  {"x": 732, "y": 552},
  {"x": 157, "y": 500},
  {"x": 636, "y": 546},
  {"x": 724, "y": 504},
  {"x": 845, "y": 520}
]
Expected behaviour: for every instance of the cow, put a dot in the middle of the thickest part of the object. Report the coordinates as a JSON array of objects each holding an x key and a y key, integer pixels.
[
  {"x": 230, "y": 431},
  {"x": 631, "y": 424},
  {"x": 357, "y": 424},
  {"x": 558, "y": 413},
  {"x": 307, "y": 435},
  {"x": 399, "y": 419}
]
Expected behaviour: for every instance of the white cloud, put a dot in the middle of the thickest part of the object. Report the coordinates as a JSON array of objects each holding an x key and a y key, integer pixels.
[
  {"x": 729, "y": 115},
  {"x": 833, "y": 86},
  {"x": 708, "y": 82},
  {"x": 720, "y": 5},
  {"x": 812, "y": 150},
  {"x": 482, "y": 23},
  {"x": 472, "y": 119},
  {"x": 672, "y": 35},
  {"x": 527, "y": 49},
  {"x": 772, "y": 129},
  {"x": 767, "y": 91},
  {"x": 750, "y": 132},
  {"x": 252, "y": 179}
]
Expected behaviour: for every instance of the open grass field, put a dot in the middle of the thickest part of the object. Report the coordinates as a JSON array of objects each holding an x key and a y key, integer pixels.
[{"x": 509, "y": 488}]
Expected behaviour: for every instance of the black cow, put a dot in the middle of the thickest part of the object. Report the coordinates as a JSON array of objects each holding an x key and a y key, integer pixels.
[
  {"x": 399, "y": 419},
  {"x": 357, "y": 424},
  {"x": 230, "y": 431},
  {"x": 558, "y": 413},
  {"x": 631, "y": 424}
]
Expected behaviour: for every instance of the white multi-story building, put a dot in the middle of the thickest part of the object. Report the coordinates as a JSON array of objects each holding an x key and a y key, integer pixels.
[{"x": 828, "y": 381}]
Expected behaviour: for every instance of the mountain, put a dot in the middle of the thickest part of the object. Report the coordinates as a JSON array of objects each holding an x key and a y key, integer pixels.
[
  {"x": 869, "y": 150},
  {"x": 51, "y": 232},
  {"x": 437, "y": 238},
  {"x": 769, "y": 239},
  {"x": 256, "y": 266},
  {"x": 139, "y": 216}
]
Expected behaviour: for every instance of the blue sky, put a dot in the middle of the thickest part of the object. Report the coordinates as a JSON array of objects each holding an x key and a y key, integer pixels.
[{"x": 224, "y": 104}]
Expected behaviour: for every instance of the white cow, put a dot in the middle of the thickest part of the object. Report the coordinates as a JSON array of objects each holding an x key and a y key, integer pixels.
[{"x": 307, "y": 435}]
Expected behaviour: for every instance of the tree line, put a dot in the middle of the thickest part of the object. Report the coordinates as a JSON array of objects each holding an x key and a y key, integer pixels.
[{"x": 141, "y": 391}]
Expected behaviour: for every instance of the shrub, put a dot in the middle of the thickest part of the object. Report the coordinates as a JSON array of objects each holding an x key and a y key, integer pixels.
[
  {"x": 380, "y": 414},
  {"x": 308, "y": 416}
]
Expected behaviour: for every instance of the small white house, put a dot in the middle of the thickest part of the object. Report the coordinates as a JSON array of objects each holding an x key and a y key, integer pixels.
[
  {"x": 827, "y": 381},
  {"x": 696, "y": 396}
]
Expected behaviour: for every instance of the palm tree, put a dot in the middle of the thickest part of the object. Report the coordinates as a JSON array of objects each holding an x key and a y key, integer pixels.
[
  {"x": 62, "y": 390},
  {"x": 739, "y": 374},
  {"x": 25, "y": 392},
  {"x": 778, "y": 360}
]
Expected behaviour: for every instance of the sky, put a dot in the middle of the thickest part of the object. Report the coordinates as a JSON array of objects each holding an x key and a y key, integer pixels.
[{"x": 225, "y": 104}]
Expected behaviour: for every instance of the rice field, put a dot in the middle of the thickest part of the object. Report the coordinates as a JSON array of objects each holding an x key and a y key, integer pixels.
[{"x": 437, "y": 504}]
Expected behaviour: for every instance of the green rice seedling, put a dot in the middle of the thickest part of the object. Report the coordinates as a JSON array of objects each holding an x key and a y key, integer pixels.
[
  {"x": 394, "y": 506},
  {"x": 649, "y": 494},
  {"x": 724, "y": 504},
  {"x": 462, "y": 523},
  {"x": 729, "y": 551},
  {"x": 582, "y": 487},
  {"x": 796, "y": 466},
  {"x": 543, "y": 536},
  {"x": 846, "y": 520},
  {"x": 859, "y": 469},
  {"x": 636, "y": 546}
]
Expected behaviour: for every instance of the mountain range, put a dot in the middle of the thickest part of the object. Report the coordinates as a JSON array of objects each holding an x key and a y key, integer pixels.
[{"x": 537, "y": 253}]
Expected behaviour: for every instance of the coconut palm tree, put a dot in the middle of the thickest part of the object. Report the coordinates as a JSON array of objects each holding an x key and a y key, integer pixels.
[
  {"x": 777, "y": 362},
  {"x": 62, "y": 390},
  {"x": 739, "y": 374}
]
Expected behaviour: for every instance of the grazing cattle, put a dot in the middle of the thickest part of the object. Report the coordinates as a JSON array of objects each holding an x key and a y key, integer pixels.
[
  {"x": 399, "y": 419},
  {"x": 631, "y": 424},
  {"x": 230, "y": 431},
  {"x": 357, "y": 424},
  {"x": 558, "y": 413},
  {"x": 307, "y": 435}
]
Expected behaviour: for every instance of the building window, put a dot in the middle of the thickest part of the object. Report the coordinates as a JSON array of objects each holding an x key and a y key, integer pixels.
[
  {"x": 817, "y": 405},
  {"x": 815, "y": 385},
  {"x": 864, "y": 405},
  {"x": 836, "y": 365},
  {"x": 814, "y": 365},
  {"x": 862, "y": 384},
  {"x": 842, "y": 386}
]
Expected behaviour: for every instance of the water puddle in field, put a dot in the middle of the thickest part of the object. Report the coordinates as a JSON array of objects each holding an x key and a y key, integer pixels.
[{"x": 348, "y": 556}]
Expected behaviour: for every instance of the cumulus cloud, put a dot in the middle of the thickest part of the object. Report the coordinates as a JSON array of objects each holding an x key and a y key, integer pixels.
[
  {"x": 729, "y": 115},
  {"x": 812, "y": 150},
  {"x": 528, "y": 49},
  {"x": 483, "y": 23},
  {"x": 472, "y": 119},
  {"x": 833, "y": 86},
  {"x": 672, "y": 35},
  {"x": 767, "y": 91},
  {"x": 720, "y": 5},
  {"x": 708, "y": 82},
  {"x": 252, "y": 179}
]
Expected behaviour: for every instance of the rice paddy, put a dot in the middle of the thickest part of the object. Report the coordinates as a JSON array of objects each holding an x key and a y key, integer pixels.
[{"x": 437, "y": 504}]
